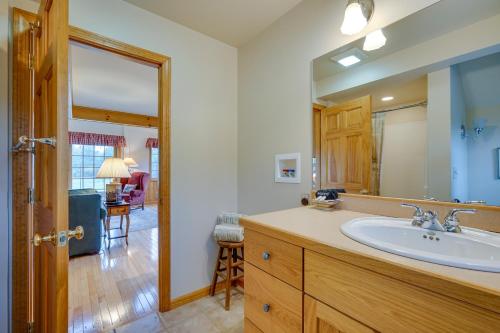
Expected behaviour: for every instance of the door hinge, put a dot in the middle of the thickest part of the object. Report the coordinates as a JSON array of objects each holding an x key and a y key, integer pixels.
[
  {"x": 31, "y": 327},
  {"x": 31, "y": 195}
]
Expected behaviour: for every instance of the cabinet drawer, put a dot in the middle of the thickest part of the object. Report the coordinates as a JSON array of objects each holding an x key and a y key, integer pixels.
[
  {"x": 250, "y": 327},
  {"x": 320, "y": 318},
  {"x": 278, "y": 258},
  {"x": 387, "y": 304},
  {"x": 272, "y": 305},
  {"x": 118, "y": 210}
]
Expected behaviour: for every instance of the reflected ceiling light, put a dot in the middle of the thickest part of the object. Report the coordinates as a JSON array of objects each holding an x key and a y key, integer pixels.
[
  {"x": 356, "y": 17},
  {"x": 374, "y": 40},
  {"x": 349, "y": 61},
  {"x": 387, "y": 98}
]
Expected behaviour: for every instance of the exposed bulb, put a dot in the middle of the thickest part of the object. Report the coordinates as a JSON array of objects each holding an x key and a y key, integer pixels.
[
  {"x": 354, "y": 20},
  {"x": 374, "y": 40}
]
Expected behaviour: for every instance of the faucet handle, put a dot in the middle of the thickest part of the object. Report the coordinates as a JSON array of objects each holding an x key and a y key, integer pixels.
[
  {"x": 451, "y": 220},
  {"x": 418, "y": 216}
]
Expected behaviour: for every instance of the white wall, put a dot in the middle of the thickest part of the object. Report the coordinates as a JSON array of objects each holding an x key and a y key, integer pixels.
[
  {"x": 484, "y": 182},
  {"x": 204, "y": 81},
  {"x": 458, "y": 145},
  {"x": 439, "y": 134},
  {"x": 403, "y": 172},
  {"x": 274, "y": 95},
  {"x": 136, "y": 138}
]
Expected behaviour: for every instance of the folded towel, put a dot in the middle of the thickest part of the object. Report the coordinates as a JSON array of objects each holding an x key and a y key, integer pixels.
[
  {"x": 228, "y": 233},
  {"x": 229, "y": 218}
]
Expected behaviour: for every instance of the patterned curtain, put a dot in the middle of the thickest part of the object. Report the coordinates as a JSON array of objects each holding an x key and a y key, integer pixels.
[
  {"x": 378, "y": 119},
  {"x": 152, "y": 143},
  {"x": 82, "y": 138}
]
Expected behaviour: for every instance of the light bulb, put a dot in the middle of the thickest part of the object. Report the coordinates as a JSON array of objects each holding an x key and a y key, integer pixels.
[
  {"x": 374, "y": 40},
  {"x": 354, "y": 20}
]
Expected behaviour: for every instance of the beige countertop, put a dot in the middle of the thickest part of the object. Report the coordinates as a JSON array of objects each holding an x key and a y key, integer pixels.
[{"x": 323, "y": 227}]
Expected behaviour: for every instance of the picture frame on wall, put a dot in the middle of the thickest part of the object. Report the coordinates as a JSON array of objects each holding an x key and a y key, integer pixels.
[{"x": 287, "y": 168}]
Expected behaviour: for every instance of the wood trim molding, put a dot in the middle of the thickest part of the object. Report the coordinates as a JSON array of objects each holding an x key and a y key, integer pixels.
[
  {"x": 116, "y": 117},
  {"x": 104, "y": 43},
  {"x": 318, "y": 107},
  {"x": 163, "y": 63},
  {"x": 194, "y": 296}
]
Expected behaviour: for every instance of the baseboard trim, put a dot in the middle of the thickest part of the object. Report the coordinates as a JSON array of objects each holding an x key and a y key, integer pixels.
[
  {"x": 197, "y": 294},
  {"x": 193, "y": 296}
]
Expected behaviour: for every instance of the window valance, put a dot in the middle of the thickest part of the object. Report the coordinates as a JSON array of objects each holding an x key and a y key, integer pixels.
[
  {"x": 82, "y": 138},
  {"x": 152, "y": 143}
]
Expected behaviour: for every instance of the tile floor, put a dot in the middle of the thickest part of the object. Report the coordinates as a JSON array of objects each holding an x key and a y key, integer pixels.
[{"x": 206, "y": 315}]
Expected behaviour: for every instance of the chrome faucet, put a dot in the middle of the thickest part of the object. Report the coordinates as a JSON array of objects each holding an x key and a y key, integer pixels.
[
  {"x": 430, "y": 220},
  {"x": 451, "y": 222},
  {"x": 418, "y": 216}
]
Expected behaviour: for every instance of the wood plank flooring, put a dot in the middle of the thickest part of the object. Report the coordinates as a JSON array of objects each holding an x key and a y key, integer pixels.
[{"x": 114, "y": 287}]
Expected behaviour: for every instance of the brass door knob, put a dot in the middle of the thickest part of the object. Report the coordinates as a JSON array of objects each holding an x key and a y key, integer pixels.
[
  {"x": 78, "y": 233},
  {"x": 39, "y": 239},
  {"x": 60, "y": 238}
]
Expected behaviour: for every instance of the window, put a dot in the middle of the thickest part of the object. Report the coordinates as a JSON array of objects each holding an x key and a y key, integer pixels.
[
  {"x": 154, "y": 164},
  {"x": 85, "y": 163}
]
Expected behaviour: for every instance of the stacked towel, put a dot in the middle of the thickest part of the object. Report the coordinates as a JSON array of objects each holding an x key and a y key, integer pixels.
[
  {"x": 229, "y": 218},
  {"x": 228, "y": 228},
  {"x": 229, "y": 233}
]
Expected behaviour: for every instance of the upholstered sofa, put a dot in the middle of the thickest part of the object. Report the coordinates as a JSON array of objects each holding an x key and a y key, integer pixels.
[
  {"x": 85, "y": 209},
  {"x": 137, "y": 196}
]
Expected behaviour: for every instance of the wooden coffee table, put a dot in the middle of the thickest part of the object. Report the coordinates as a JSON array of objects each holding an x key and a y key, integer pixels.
[{"x": 117, "y": 209}]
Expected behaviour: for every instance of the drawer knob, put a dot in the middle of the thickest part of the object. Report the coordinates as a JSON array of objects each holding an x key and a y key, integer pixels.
[
  {"x": 266, "y": 307},
  {"x": 266, "y": 255}
]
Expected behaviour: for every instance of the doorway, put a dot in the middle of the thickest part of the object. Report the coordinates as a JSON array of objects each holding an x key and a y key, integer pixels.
[{"x": 23, "y": 26}]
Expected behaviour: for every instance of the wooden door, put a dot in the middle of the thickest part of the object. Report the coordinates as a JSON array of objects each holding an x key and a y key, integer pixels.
[
  {"x": 320, "y": 318},
  {"x": 346, "y": 150},
  {"x": 50, "y": 211}
]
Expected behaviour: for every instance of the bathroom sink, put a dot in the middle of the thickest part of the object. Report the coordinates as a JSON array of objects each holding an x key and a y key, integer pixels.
[{"x": 472, "y": 249}]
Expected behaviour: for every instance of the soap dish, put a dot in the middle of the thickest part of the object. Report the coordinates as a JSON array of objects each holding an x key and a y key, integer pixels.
[{"x": 324, "y": 204}]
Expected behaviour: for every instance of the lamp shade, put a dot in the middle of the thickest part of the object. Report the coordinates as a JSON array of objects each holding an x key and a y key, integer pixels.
[
  {"x": 113, "y": 168},
  {"x": 354, "y": 20},
  {"x": 374, "y": 40},
  {"x": 130, "y": 162}
]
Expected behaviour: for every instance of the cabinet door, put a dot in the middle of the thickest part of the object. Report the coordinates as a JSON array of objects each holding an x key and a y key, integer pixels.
[{"x": 320, "y": 318}]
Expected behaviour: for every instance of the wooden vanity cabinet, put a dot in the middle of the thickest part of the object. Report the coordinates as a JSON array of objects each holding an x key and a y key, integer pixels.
[
  {"x": 291, "y": 288},
  {"x": 320, "y": 318}
]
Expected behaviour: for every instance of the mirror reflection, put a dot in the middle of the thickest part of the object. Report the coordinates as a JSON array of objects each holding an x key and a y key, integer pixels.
[{"x": 396, "y": 120}]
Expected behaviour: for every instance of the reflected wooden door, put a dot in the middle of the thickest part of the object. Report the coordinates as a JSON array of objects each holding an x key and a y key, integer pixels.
[
  {"x": 50, "y": 211},
  {"x": 346, "y": 150}
]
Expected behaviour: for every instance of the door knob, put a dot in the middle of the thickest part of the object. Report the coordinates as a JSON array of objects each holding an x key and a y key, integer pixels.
[
  {"x": 78, "y": 233},
  {"x": 39, "y": 239},
  {"x": 60, "y": 238}
]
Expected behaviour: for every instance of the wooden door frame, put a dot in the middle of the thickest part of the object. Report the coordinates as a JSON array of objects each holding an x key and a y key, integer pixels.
[{"x": 163, "y": 63}]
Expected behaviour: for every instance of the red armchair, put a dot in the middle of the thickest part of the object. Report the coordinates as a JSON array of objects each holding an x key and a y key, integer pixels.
[{"x": 137, "y": 196}]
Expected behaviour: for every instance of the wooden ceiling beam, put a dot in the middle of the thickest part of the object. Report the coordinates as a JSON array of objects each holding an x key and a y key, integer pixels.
[{"x": 115, "y": 117}]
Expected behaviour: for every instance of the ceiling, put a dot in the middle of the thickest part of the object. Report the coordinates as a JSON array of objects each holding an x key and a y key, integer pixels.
[
  {"x": 231, "y": 21},
  {"x": 104, "y": 80},
  {"x": 431, "y": 22},
  {"x": 404, "y": 92}
]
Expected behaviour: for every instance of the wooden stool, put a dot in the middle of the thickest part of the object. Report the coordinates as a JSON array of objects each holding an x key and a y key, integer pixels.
[{"x": 232, "y": 263}]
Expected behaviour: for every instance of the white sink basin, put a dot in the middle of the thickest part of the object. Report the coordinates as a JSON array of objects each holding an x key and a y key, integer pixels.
[{"x": 471, "y": 249}]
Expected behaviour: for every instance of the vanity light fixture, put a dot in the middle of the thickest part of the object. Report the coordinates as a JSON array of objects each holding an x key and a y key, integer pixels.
[
  {"x": 356, "y": 16},
  {"x": 387, "y": 98},
  {"x": 374, "y": 40}
]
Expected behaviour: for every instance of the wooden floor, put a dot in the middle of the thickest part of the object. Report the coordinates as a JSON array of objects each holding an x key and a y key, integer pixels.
[{"x": 117, "y": 286}]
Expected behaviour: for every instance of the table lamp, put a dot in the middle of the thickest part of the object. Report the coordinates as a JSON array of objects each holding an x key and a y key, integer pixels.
[
  {"x": 113, "y": 168},
  {"x": 130, "y": 163}
]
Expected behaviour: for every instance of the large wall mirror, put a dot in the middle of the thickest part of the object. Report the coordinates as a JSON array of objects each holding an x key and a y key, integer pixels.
[{"x": 418, "y": 116}]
